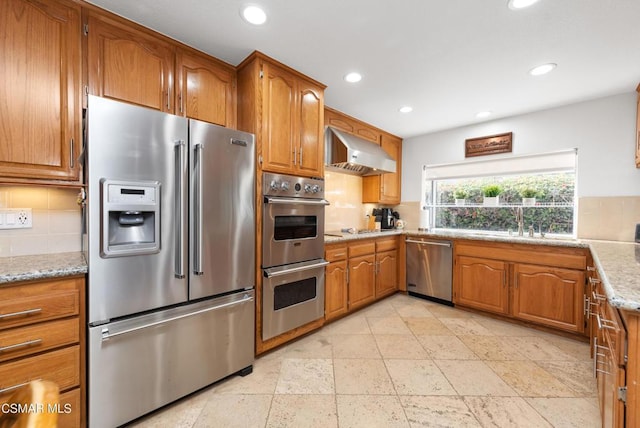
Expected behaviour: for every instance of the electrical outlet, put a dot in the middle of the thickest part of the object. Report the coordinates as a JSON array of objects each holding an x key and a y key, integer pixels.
[{"x": 16, "y": 218}]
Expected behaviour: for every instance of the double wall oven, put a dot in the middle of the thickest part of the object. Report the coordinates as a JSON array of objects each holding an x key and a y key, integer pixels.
[{"x": 292, "y": 252}]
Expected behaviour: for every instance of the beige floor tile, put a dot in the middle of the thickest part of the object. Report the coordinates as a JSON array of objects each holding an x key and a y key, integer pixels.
[
  {"x": 444, "y": 311},
  {"x": 231, "y": 411},
  {"x": 263, "y": 380},
  {"x": 427, "y": 326},
  {"x": 503, "y": 412},
  {"x": 567, "y": 412},
  {"x": 474, "y": 378},
  {"x": 403, "y": 346},
  {"x": 414, "y": 310},
  {"x": 576, "y": 375},
  {"x": 578, "y": 350},
  {"x": 354, "y": 324},
  {"x": 354, "y": 346},
  {"x": 465, "y": 326},
  {"x": 379, "y": 310},
  {"x": 360, "y": 376},
  {"x": 446, "y": 348},
  {"x": 491, "y": 348},
  {"x": 388, "y": 325},
  {"x": 182, "y": 414},
  {"x": 306, "y": 376},
  {"x": 504, "y": 328},
  {"x": 438, "y": 412},
  {"x": 418, "y": 377},
  {"x": 529, "y": 379},
  {"x": 371, "y": 411},
  {"x": 314, "y": 346},
  {"x": 538, "y": 348},
  {"x": 309, "y": 411}
]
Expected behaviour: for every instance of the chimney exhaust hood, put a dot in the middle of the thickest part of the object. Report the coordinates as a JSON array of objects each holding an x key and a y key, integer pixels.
[{"x": 349, "y": 154}]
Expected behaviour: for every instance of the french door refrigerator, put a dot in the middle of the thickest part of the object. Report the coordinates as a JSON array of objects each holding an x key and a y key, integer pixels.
[{"x": 170, "y": 247}]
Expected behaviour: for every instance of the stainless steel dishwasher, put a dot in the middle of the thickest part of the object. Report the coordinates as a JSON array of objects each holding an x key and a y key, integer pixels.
[{"x": 430, "y": 269}]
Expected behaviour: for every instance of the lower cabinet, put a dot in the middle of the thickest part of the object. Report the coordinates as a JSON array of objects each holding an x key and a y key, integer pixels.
[
  {"x": 359, "y": 273},
  {"x": 541, "y": 285}
]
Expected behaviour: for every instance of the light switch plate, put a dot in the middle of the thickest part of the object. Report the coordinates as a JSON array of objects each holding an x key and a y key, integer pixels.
[{"x": 16, "y": 218}]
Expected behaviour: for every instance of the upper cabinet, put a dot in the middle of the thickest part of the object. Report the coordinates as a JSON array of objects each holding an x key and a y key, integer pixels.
[
  {"x": 285, "y": 110},
  {"x": 41, "y": 73},
  {"x": 638, "y": 130},
  {"x": 377, "y": 189},
  {"x": 130, "y": 63}
]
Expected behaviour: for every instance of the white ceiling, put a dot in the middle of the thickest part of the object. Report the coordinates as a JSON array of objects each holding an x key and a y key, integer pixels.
[{"x": 449, "y": 59}]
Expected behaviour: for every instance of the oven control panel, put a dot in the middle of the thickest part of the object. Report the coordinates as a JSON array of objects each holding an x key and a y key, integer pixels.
[{"x": 292, "y": 186}]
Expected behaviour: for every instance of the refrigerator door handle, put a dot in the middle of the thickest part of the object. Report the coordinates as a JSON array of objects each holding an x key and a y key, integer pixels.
[
  {"x": 179, "y": 210},
  {"x": 197, "y": 235},
  {"x": 106, "y": 335}
]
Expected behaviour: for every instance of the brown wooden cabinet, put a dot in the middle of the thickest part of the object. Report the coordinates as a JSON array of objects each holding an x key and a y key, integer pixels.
[
  {"x": 285, "y": 110},
  {"x": 335, "y": 282},
  {"x": 377, "y": 189},
  {"x": 539, "y": 284},
  {"x": 40, "y": 45},
  {"x": 386, "y": 266},
  {"x": 482, "y": 284},
  {"x": 129, "y": 63},
  {"x": 362, "y": 278},
  {"x": 549, "y": 296},
  {"x": 42, "y": 336},
  {"x": 205, "y": 88}
]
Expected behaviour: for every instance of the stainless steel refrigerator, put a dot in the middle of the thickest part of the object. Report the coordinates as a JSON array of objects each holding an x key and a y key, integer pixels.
[{"x": 170, "y": 223}]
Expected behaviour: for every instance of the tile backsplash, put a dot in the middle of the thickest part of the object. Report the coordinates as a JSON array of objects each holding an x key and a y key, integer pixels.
[{"x": 57, "y": 220}]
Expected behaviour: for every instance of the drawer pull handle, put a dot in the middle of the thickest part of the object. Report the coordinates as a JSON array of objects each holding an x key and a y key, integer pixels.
[
  {"x": 21, "y": 313},
  {"x": 594, "y": 281},
  {"x": 14, "y": 387},
  {"x": 20, "y": 345},
  {"x": 339, "y": 255}
]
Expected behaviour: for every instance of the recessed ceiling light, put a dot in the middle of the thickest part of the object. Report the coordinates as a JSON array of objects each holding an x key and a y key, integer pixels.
[
  {"x": 254, "y": 15},
  {"x": 542, "y": 69},
  {"x": 405, "y": 109},
  {"x": 353, "y": 77},
  {"x": 520, "y": 4},
  {"x": 483, "y": 114}
]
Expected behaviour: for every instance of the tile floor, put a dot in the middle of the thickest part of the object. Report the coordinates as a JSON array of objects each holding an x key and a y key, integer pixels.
[{"x": 404, "y": 362}]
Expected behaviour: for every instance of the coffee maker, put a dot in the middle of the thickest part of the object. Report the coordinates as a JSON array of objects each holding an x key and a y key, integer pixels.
[{"x": 388, "y": 220}]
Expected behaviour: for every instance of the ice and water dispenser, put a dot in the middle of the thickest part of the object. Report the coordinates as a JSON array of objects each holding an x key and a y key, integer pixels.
[{"x": 130, "y": 218}]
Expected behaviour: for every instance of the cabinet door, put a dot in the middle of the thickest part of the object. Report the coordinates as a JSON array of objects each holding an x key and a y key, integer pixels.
[
  {"x": 385, "y": 188},
  {"x": 40, "y": 89},
  {"x": 482, "y": 284},
  {"x": 549, "y": 296},
  {"x": 311, "y": 127},
  {"x": 128, "y": 64},
  {"x": 361, "y": 280},
  {"x": 205, "y": 89},
  {"x": 335, "y": 290},
  {"x": 278, "y": 120},
  {"x": 386, "y": 273}
]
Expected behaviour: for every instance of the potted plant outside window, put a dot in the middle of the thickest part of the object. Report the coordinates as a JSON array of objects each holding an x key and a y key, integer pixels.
[
  {"x": 491, "y": 195},
  {"x": 528, "y": 196},
  {"x": 460, "y": 195}
]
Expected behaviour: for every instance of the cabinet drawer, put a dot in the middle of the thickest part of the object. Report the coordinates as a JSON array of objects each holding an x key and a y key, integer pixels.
[
  {"x": 362, "y": 249},
  {"x": 61, "y": 366},
  {"x": 333, "y": 254},
  {"x": 387, "y": 244},
  {"x": 70, "y": 409},
  {"x": 29, "y": 303},
  {"x": 22, "y": 341}
]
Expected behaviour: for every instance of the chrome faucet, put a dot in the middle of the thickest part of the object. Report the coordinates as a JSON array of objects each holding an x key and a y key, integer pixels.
[{"x": 520, "y": 220}]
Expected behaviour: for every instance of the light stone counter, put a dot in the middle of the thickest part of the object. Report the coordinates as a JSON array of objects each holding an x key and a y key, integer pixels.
[
  {"x": 42, "y": 266},
  {"x": 618, "y": 263}
]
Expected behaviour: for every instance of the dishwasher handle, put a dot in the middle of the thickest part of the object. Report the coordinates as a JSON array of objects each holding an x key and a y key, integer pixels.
[{"x": 439, "y": 244}]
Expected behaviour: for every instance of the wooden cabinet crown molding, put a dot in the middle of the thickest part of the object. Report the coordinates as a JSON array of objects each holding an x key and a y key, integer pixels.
[{"x": 265, "y": 58}]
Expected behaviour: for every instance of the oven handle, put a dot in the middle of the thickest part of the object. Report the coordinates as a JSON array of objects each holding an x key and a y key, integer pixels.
[
  {"x": 295, "y": 201},
  {"x": 272, "y": 274}
]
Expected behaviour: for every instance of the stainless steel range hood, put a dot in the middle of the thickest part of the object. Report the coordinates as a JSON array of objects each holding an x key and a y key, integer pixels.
[{"x": 349, "y": 154}]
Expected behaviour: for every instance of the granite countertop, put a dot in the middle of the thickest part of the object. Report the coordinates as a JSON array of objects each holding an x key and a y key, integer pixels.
[
  {"x": 618, "y": 263},
  {"x": 42, "y": 266}
]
